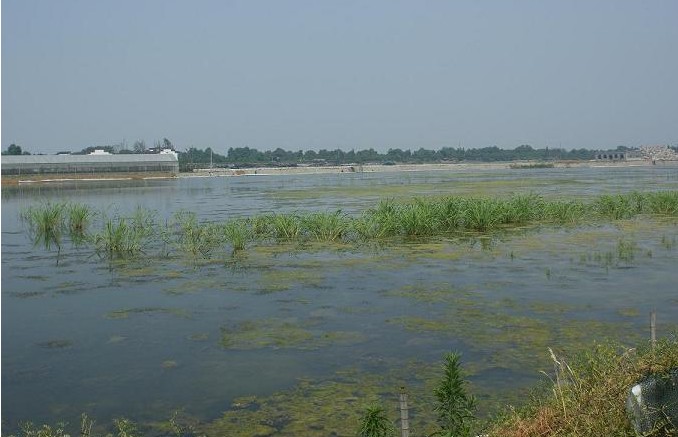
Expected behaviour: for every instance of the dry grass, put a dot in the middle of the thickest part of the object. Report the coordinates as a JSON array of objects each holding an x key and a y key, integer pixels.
[{"x": 586, "y": 397}]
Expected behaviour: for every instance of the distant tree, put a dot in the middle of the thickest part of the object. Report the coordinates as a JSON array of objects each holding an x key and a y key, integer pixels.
[
  {"x": 167, "y": 144},
  {"x": 13, "y": 149},
  {"x": 139, "y": 146}
]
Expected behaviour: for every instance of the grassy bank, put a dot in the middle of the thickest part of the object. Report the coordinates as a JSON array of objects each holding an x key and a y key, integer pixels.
[
  {"x": 389, "y": 220},
  {"x": 586, "y": 396}
]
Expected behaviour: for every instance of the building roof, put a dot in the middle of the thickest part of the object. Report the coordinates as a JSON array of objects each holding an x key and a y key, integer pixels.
[{"x": 87, "y": 159}]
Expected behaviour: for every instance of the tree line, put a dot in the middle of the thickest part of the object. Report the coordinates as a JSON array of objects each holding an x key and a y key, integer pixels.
[
  {"x": 246, "y": 156},
  {"x": 194, "y": 157}
]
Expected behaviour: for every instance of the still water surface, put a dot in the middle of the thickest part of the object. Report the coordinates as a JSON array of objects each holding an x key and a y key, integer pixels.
[{"x": 143, "y": 338}]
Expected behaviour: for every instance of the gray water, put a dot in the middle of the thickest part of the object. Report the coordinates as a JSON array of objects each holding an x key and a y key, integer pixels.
[{"x": 70, "y": 345}]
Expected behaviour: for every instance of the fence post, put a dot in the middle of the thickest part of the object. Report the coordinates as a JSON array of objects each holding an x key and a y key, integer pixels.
[
  {"x": 653, "y": 327},
  {"x": 404, "y": 414}
]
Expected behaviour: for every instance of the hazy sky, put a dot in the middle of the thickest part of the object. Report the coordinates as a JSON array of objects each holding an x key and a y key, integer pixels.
[{"x": 348, "y": 74}]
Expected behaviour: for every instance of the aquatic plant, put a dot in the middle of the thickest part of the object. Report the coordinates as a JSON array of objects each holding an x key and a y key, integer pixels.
[
  {"x": 79, "y": 217},
  {"x": 618, "y": 206},
  {"x": 388, "y": 220},
  {"x": 325, "y": 226},
  {"x": 285, "y": 227},
  {"x": 663, "y": 202},
  {"x": 197, "y": 238},
  {"x": 564, "y": 211},
  {"x": 483, "y": 214},
  {"x": 454, "y": 406},
  {"x": 237, "y": 233},
  {"x": 375, "y": 423},
  {"x": 118, "y": 239},
  {"x": 46, "y": 223}
]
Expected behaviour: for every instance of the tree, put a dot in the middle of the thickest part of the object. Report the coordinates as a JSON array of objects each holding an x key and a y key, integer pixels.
[
  {"x": 139, "y": 146},
  {"x": 455, "y": 407},
  {"x": 13, "y": 149}
]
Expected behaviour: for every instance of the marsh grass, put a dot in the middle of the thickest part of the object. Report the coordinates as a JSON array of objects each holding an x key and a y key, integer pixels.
[
  {"x": 238, "y": 233},
  {"x": 586, "y": 396},
  {"x": 197, "y": 238},
  {"x": 285, "y": 227},
  {"x": 325, "y": 226},
  {"x": 389, "y": 221},
  {"x": 46, "y": 223},
  {"x": 79, "y": 218}
]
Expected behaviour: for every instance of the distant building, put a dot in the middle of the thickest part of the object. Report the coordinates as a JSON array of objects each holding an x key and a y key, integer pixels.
[
  {"x": 99, "y": 152},
  {"x": 611, "y": 156},
  {"x": 92, "y": 165}
]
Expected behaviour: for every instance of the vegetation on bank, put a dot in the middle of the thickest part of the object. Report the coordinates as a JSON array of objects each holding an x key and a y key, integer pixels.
[
  {"x": 121, "y": 237},
  {"x": 586, "y": 396}
]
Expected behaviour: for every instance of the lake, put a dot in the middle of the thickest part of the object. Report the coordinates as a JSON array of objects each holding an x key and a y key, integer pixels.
[{"x": 296, "y": 340}]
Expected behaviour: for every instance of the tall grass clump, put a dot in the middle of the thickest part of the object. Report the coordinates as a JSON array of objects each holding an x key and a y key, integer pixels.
[
  {"x": 663, "y": 203},
  {"x": 565, "y": 211},
  {"x": 618, "y": 206},
  {"x": 524, "y": 208},
  {"x": 197, "y": 238},
  {"x": 484, "y": 214},
  {"x": 587, "y": 396},
  {"x": 420, "y": 218},
  {"x": 46, "y": 223},
  {"x": 381, "y": 222},
  {"x": 79, "y": 217},
  {"x": 325, "y": 226},
  {"x": 237, "y": 233},
  {"x": 118, "y": 239},
  {"x": 285, "y": 227}
]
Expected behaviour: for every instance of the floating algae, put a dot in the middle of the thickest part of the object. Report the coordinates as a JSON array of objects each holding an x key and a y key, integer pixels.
[
  {"x": 169, "y": 364},
  {"x": 55, "y": 344},
  {"x": 126, "y": 313},
  {"x": 312, "y": 408},
  {"x": 26, "y": 294},
  {"x": 275, "y": 280},
  {"x": 283, "y": 333}
]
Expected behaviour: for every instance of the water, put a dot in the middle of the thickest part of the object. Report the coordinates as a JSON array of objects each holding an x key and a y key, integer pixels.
[{"x": 144, "y": 338}]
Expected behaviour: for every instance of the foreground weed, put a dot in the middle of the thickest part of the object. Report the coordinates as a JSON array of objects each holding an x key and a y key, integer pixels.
[
  {"x": 375, "y": 423},
  {"x": 454, "y": 406}
]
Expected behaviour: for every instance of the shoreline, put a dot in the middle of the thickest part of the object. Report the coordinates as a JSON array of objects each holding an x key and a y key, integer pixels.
[
  {"x": 396, "y": 168},
  {"x": 336, "y": 169}
]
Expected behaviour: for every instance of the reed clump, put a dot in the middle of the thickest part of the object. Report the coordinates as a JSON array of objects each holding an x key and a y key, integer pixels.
[
  {"x": 420, "y": 218},
  {"x": 46, "y": 223}
]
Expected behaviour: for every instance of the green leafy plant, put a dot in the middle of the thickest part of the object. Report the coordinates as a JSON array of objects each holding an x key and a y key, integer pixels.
[
  {"x": 454, "y": 405},
  {"x": 375, "y": 423}
]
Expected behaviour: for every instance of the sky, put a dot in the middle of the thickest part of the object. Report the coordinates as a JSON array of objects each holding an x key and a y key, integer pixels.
[{"x": 339, "y": 74}]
